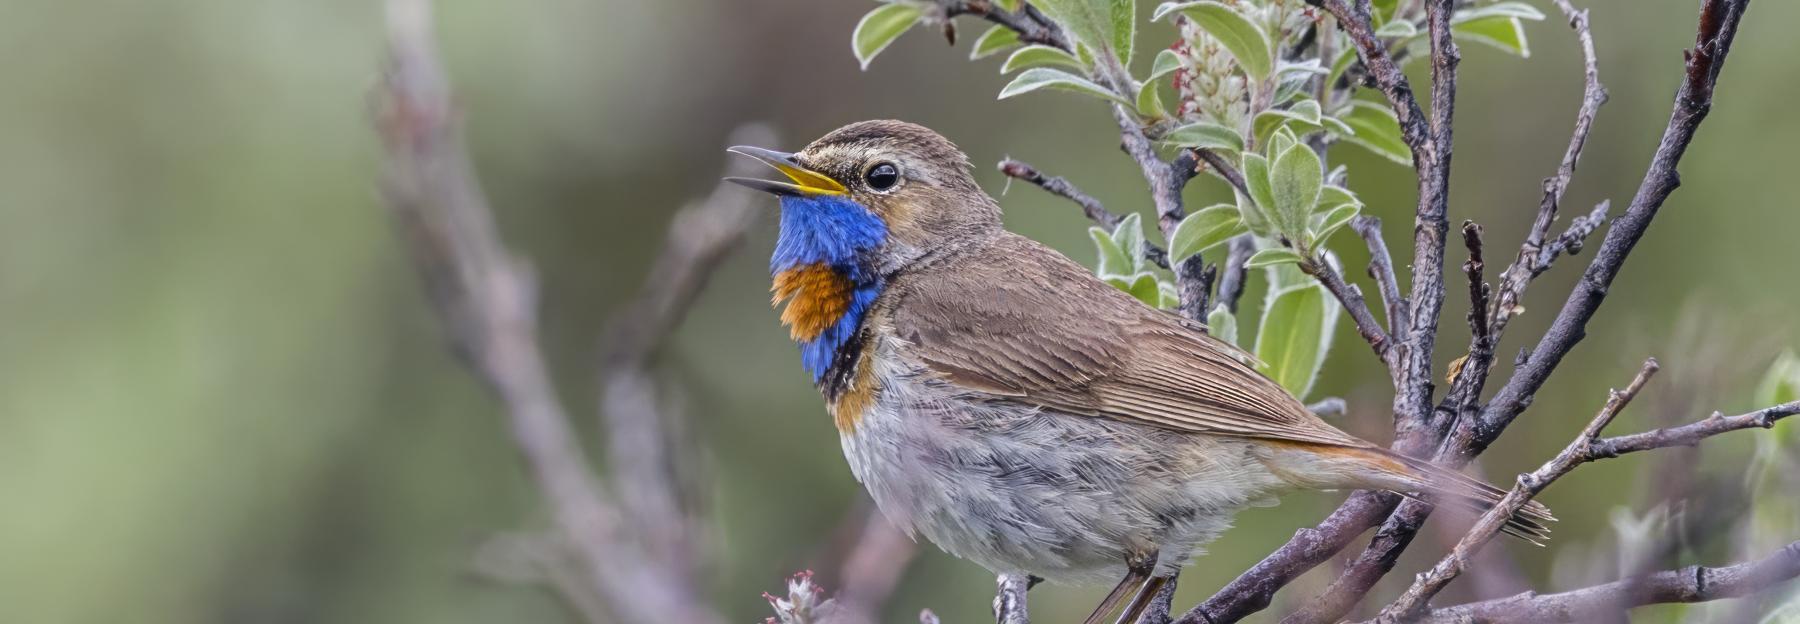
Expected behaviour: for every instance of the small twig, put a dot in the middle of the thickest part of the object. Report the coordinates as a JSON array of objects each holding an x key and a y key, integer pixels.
[
  {"x": 1231, "y": 285},
  {"x": 1602, "y": 602},
  {"x": 1531, "y": 260},
  {"x": 1414, "y": 600},
  {"x": 1009, "y": 601},
  {"x": 1351, "y": 298},
  {"x": 1222, "y": 167},
  {"x": 1692, "y": 433},
  {"x": 1032, "y": 25},
  {"x": 1381, "y": 269},
  {"x": 1091, "y": 207}
]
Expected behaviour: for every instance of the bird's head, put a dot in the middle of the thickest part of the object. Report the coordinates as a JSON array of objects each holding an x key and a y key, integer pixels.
[
  {"x": 889, "y": 191},
  {"x": 861, "y": 203}
]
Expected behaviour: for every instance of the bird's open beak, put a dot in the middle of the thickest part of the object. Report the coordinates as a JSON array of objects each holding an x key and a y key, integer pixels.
[{"x": 805, "y": 181}]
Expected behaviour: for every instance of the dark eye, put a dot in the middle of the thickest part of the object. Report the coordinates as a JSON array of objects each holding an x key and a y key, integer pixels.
[{"x": 882, "y": 177}]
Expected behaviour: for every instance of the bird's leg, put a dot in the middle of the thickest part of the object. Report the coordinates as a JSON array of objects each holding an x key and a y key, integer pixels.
[
  {"x": 1137, "y": 573},
  {"x": 1151, "y": 593}
]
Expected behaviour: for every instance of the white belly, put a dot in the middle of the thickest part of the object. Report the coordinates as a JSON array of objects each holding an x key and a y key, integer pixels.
[{"x": 1021, "y": 490}]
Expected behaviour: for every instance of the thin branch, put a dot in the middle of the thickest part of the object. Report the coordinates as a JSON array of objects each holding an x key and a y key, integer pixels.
[
  {"x": 1351, "y": 298},
  {"x": 487, "y": 299},
  {"x": 1692, "y": 433},
  {"x": 1222, "y": 167},
  {"x": 1410, "y": 603},
  {"x": 1531, "y": 260},
  {"x": 1231, "y": 285},
  {"x": 1091, "y": 207},
  {"x": 1381, "y": 269},
  {"x": 1718, "y": 28},
  {"x": 1686, "y": 585},
  {"x": 644, "y": 454},
  {"x": 1031, "y": 24}
]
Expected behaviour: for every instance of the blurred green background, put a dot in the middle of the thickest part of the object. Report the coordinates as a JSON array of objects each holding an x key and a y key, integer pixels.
[{"x": 222, "y": 398}]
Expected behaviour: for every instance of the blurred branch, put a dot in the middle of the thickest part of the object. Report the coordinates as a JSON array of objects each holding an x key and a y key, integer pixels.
[
  {"x": 643, "y": 447},
  {"x": 1690, "y": 584},
  {"x": 1031, "y": 24},
  {"x": 487, "y": 298},
  {"x": 872, "y": 568}
]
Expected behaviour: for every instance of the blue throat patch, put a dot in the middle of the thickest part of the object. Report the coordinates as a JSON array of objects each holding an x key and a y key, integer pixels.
[{"x": 840, "y": 234}]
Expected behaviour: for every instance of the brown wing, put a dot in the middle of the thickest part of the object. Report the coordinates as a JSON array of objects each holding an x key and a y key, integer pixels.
[{"x": 1020, "y": 321}]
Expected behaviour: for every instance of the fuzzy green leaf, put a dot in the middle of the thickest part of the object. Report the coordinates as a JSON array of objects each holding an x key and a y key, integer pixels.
[
  {"x": 879, "y": 28},
  {"x": 1039, "y": 56},
  {"x": 1256, "y": 179},
  {"x": 1046, "y": 78},
  {"x": 1222, "y": 324},
  {"x": 1111, "y": 259},
  {"x": 1377, "y": 130},
  {"x": 1271, "y": 257},
  {"x": 1129, "y": 236},
  {"x": 1146, "y": 288},
  {"x": 1304, "y": 117},
  {"x": 1124, "y": 29},
  {"x": 1509, "y": 9},
  {"x": 1149, "y": 101},
  {"x": 1205, "y": 229},
  {"x": 993, "y": 41},
  {"x": 1295, "y": 335},
  {"x": 1238, "y": 34},
  {"x": 1090, "y": 22},
  {"x": 1009, "y": 5},
  {"x": 1326, "y": 222},
  {"x": 1205, "y": 135},
  {"x": 1400, "y": 29},
  {"x": 1295, "y": 178},
  {"x": 1505, "y": 33},
  {"x": 1167, "y": 61}
]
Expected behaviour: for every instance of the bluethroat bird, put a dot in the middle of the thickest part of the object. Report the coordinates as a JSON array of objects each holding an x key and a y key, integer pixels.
[{"x": 996, "y": 397}]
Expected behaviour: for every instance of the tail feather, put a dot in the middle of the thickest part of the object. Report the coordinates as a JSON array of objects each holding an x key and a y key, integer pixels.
[{"x": 1420, "y": 479}]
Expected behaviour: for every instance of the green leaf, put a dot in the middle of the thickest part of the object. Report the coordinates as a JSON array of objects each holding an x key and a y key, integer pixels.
[
  {"x": 1337, "y": 126},
  {"x": 1377, "y": 130},
  {"x": 1146, "y": 288},
  {"x": 1324, "y": 223},
  {"x": 993, "y": 41},
  {"x": 1046, "y": 78},
  {"x": 1129, "y": 236},
  {"x": 1124, "y": 29},
  {"x": 1205, "y": 135},
  {"x": 1167, "y": 61},
  {"x": 1241, "y": 37},
  {"x": 1304, "y": 115},
  {"x": 879, "y": 28},
  {"x": 1262, "y": 196},
  {"x": 1222, "y": 323},
  {"x": 1341, "y": 65},
  {"x": 1112, "y": 260},
  {"x": 1401, "y": 29},
  {"x": 1334, "y": 195},
  {"x": 1292, "y": 79},
  {"x": 1170, "y": 298},
  {"x": 1009, "y": 5},
  {"x": 1149, "y": 101},
  {"x": 1509, "y": 9},
  {"x": 1384, "y": 10},
  {"x": 1295, "y": 178},
  {"x": 1271, "y": 257},
  {"x": 1090, "y": 22},
  {"x": 1039, "y": 56},
  {"x": 1505, "y": 33},
  {"x": 1205, "y": 229},
  {"x": 1295, "y": 335},
  {"x": 1253, "y": 216}
]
